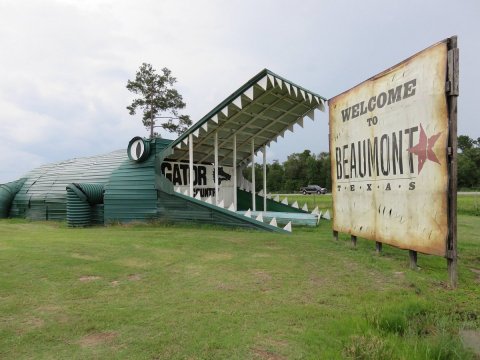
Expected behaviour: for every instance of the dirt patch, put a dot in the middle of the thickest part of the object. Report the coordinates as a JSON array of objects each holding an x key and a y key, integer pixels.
[
  {"x": 134, "y": 262},
  {"x": 88, "y": 278},
  {"x": 317, "y": 281},
  {"x": 266, "y": 355},
  {"x": 49, "y": 308},
  {"x": 261, "y": 255},
  {"x": 134, "y": 277},
  {"x": 262, "y": 277},
  {"x": 30, "y": 323},
  {"x": 471, "y": 340},
  {"x": 218, "y": 256},
  {"x": 273, "y": 247},
  {"x": 226, "y": 287},
  {"x": 477, "y": 272},
  {"x": 84, "y": 257},
  {"x": 96, "y": 339},
  {"x": 115, "y": 283}
]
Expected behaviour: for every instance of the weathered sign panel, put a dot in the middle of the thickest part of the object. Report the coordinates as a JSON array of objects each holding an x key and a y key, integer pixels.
[
  {"x": 203, "y": 179},
  {"x": 388, "y": 145}
]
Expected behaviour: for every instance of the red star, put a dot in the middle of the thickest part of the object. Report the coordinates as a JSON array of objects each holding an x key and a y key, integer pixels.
[{"x": 424, "y": 148}]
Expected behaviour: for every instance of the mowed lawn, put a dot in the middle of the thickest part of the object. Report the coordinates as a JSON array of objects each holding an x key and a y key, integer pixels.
[{"x": 183, "y": 292}]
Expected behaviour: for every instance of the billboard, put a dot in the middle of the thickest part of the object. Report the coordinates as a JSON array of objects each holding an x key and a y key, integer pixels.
[{"x": 388, "y": 146}]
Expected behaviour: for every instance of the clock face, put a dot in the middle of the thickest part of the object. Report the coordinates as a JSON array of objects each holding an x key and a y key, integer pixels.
[{"x": 137, "y": 149}]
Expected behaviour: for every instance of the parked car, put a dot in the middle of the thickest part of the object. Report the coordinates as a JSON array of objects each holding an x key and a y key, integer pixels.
[{"x": 313, "y": 189}]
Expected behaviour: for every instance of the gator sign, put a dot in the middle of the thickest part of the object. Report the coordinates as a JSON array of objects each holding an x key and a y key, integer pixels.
[
  {"x": 203, "y": 179},
  {"x": 388, "y": 146}
]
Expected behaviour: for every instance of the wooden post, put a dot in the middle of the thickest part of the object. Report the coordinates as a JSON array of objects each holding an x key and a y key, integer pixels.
[
  {"x": 378, "y": 247},
  {"x": 413, "y": 259},
  {"x": 452, "y": 94},
  {"x": 354, "y": 240},
  {"x": 335, "y": 235}
]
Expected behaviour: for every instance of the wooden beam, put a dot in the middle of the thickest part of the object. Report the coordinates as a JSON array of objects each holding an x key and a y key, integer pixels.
[
  {"x": 453, "y": 78},
  {"x": 353, "y": 238},
  {"x": 413, "y": 259}
]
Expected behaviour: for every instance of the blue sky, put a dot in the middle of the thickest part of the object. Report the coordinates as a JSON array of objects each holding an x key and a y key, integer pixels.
[{"x": 64, "y": 64}]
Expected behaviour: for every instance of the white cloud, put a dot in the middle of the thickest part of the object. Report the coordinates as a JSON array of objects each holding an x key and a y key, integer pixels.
[{"x": 65, "y": 64}]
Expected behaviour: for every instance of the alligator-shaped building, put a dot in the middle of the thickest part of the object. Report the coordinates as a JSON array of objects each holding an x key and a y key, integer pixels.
[{"x": 197, "y": 177}]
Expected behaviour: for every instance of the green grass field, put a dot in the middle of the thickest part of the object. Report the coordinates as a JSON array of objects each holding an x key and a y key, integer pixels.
[{"x": 183, "y": 292}]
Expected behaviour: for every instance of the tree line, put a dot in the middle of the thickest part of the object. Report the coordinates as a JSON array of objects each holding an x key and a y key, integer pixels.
[
  {"x": 300, "y": 169},
  {"x": 468, "y": 160},
  {"x": 305, "y": 168}
]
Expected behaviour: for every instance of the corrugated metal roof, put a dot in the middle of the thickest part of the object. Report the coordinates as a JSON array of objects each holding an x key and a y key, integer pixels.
[
  {"x": 263, "y": 109},
  {"x": 43, "y": 194}
]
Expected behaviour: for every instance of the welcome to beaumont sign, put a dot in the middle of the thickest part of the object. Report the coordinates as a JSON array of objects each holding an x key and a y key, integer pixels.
[{"x": 388, "y": 146}]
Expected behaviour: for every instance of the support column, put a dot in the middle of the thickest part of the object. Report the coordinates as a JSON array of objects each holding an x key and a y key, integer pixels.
[
  {"x": 413, "y": 259},
  {"x": 254, "y": 205},
  {"x": 265, "y": 178},
  {"x": 190, "y": 163},
  {"x": 234, "y": 162},
  {"x": 216, "y": 167}
]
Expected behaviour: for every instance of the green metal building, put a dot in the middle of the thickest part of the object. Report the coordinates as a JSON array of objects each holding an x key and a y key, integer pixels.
[{"x": 196, "y": 177}]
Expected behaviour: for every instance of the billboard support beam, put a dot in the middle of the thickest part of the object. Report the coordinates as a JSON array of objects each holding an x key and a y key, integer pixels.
[
  {"x": 413, "y": 259},
  {"x": 353, "y": 238},
  {"x": 335, "y": 235},
  {"x": 452, "y": 94}
]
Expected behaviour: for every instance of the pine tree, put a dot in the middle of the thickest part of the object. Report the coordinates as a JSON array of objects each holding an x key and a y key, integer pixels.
[{"x": 158, "y": 100}]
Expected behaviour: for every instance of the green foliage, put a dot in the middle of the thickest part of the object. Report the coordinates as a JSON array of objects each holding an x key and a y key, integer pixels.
[
  {"x": 468, "y": 162},
  {"x": 300, "y": 169},
  {"x": 158, "y": 100}
]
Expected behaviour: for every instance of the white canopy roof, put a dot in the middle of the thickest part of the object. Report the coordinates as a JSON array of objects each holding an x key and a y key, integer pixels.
[{"x": 262, "y": 109}]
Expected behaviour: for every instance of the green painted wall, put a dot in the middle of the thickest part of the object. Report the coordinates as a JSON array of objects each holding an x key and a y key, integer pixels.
[
  {"x": 180, "y": 208},
  {"x": 130, "y": 193}
]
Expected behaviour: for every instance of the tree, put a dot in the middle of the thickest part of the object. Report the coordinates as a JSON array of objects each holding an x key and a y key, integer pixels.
[
  {"x": 158, "y": 100},
  {"x": 468, "y": 162},
  {"x": 464, "y": 142}
]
